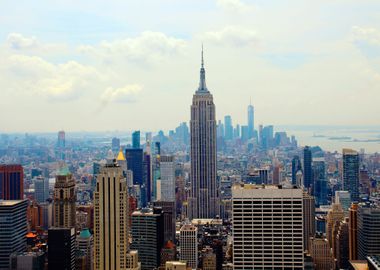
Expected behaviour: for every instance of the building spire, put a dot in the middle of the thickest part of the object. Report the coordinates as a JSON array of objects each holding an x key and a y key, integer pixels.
[{"x": 202, "y": 82}]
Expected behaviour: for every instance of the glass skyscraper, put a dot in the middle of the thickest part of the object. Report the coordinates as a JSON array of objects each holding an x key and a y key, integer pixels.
[{"x": 351, "y": 173}]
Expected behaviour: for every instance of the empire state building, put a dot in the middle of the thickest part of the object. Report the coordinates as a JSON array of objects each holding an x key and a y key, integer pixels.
[{"x": 203, "y": 201}]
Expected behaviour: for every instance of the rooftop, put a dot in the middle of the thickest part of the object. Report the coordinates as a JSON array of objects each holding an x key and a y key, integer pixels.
[{"x": 9, "y": 202}]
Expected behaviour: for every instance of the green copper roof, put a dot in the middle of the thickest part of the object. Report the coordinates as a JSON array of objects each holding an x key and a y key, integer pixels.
[
  {"x": 64, "y": 170},
  {"x": 85, "y": 233}
]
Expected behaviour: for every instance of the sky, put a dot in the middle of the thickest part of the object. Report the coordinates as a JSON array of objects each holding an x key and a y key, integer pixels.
[{"x": 94, "y": 65}]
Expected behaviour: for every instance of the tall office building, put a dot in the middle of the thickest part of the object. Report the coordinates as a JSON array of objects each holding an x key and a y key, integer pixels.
[
  {"x": 228, "y": 128},
  {"x": 11, "y": 182},
  {"x": 111, "y": 218},
  {"x": 148, "y": 236},
  {"x": 64, "y": 199},
  {"x": 115, "y": 145},
  {"x": 61, "y": 141},
  {"x": 203, "y": 201},
  {"x": 351, "y": 173},
  {"x": 188, "y": 242},
  {"x": 342, "y": 245},
  {"x": 136, "y": 139},
  {"x": 27, "y": 261},
  {"x": 41, "y": 189},
  {"x": 266, "y": 137},
  {"x": 320, "y": 181},
  {"x": 251, "y": 123},
  {"x": 353, "y": 232},
  {"x": 296, "y": 167},
  {"x": 167, "y": 168},
  {"x": 320, "y": 251},
  {"x": 344, "y": 198},
  {"x": 307, "y": 168},
  {"x": 134, "y": 159},
  {"x": 334, "y": 216},
  {"x": 62, "y": 247},
  {"x": 86, "y": 244},
  {"x": 268, "y": 227},
  {"x": 169, "y": 214},
  {"x": 368, "y": 231},
  {"x": 308, "y": 206},
  {"x": 13, "y": 229},
  {"x": 147, "y": 174}
]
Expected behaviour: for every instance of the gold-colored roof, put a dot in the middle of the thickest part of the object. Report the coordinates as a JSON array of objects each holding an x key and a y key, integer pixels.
[{"x": 120, "y": 156}]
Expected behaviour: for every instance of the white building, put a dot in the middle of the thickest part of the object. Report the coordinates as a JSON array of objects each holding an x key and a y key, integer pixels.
[
  {"x": 167, "y": 183},
  {"x": 189, "y": 245},
  {"x": 267, "y": 227}
]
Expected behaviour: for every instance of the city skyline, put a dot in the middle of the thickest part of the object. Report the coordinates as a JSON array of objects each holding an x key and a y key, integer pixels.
[{"x": 111, "y": 65}]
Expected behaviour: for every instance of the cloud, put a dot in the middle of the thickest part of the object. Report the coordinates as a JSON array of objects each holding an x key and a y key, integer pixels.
[
  {"x": 126, "y": 94},
  {"x": 234, "y": 5},
  {"x": 17, "y": 41},
  {"x": 146, "y": 48},
  {"x": 35, "y": 76},
  {"x": 367, "y": 34},
  {"x": 232, "y": 36}
]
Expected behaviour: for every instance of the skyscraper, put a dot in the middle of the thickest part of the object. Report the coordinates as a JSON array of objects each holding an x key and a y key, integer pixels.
[
  {"x": 308, "y": 206},
  {"x": 320, "y": 181},
  {"x": 11, "y": 182},
  {"x": 268, "y": 227},
  {"x": 148, "y": 236},
  {"x": 111, "y": 218},
  {"x": 188, "y": 242},
  {"x": 169, "y": 214},
  {"x": 368, "y": 231},
  {"x": 351, "y": 173},
  {"x": 353, "y": 232},
  {"x": 13, "y": 226},
  {"x": 167, "y": 168},
  {"x": 61, "y": 243},
  {"x": 250, "y": 124},
  {"x": 115, "y": 144},
  {"x": 307, "y": 168},
  {"x": 134, "y": 159},
  {"x": 64, "y": 199},
  {"x": 41, "y": 189},
  {"x": 86, "y": 244},
  {"x": 203, "y": 200},
  {"x": 228, "y": 128},
  {"x": 61, "y": 142},
  {"x": 136, "y": 139},
  {"x": 296, "y": 166}
]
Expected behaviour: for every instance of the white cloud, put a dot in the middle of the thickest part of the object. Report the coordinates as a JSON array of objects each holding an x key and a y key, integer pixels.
[
  {"x": 234, "y": 5},
  {"x": 34, "y": 76},
  {"x": 124, "y": 94},
  {"x": 233, "y": 36},
  {"x": 17, "y": 41},
  {"x": 146, "y": 48},
  {"x": 367, "y": 34}
]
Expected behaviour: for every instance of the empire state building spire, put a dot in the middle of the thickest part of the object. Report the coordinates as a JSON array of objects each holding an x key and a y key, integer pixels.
[{"x": 202, "y": 82}]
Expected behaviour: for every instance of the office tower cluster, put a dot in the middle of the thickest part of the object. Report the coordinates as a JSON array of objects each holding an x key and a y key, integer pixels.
[{"x": 209, "y": 194}]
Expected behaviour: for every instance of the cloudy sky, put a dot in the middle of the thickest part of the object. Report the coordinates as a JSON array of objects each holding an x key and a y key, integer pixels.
[{"x": 95, "y": 65}]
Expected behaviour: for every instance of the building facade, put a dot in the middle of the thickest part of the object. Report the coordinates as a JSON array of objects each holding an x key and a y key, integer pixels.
[
  {"x": 268, "y": 227},
  {"x": 203, "y": 201},
  {"x": 11, "y": 182},
  {"x": 351, "y": 173},
  {"x": 62, "y": 247},
  {"x": 188, "y": 242}
]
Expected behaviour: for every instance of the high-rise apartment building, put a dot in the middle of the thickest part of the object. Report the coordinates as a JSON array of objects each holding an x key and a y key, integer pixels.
[
  {"x": 13, "y": 229},
  {"x": 203, "y": 200},
  {"x": 351, "y": 173},
  {"x": 188, "y": 242},
  {"x": 11, "y": 182},
  {"x": 64, "y": 199},
  {"x": 251, "y": 123},
  {"x": 307, "y": 168},
  {"x": 41, "y": 189},
  {"x": 268, "y": 227},
  {"x": 111, "y": 246},
  {"x": 167, "y": 167},
  {"x": 62, "y": 247},
  {"x": 368, "y": 231},
  {"x": 148, "y": 236}
]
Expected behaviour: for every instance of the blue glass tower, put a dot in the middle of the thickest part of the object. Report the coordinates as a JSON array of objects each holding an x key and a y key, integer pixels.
[{"x": 307, "y": 168}]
